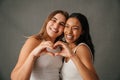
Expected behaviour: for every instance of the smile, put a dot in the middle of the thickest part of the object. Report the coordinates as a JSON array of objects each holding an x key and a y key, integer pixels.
[
  {"x": 69, "y": 36},
  {"x": 54, "y": 30}
]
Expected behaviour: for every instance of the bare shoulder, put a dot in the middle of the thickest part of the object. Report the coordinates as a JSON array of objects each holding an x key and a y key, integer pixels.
[
  {"x": 29, "y": 45},
  {"x": 32, "y": 41},
  {"x": 84, "y": 52},
  {"x": 84, "y": 48}
]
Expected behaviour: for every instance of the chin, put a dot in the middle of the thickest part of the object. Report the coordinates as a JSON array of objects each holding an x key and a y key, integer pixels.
[{"x": 69, "y": 41}]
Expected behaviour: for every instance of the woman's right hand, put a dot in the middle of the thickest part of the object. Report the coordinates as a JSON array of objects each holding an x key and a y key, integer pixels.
[
  {"x": 65, "y": 49},
  {"x": 42, "y": 47}
]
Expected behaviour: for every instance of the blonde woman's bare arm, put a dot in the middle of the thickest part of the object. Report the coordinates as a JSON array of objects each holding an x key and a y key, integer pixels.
[{"x": 26, "y": 61}]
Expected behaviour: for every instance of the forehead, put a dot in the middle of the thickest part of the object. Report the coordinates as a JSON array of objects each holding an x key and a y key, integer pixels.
[
  {"x": 73, "y": 21},
  {"x": 60, "y": 17}
]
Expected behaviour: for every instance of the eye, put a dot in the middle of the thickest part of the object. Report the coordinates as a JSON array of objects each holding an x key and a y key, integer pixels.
[
  {"x": 62, "y": 24},
  {"x": 76, "y": 28},
  {"x": 53, "y": 19}
]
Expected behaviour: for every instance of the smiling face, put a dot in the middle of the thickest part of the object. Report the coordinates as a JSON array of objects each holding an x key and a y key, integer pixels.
[
  {"x": 72, "y": 30},
  {"x": 55, "y": 26}
]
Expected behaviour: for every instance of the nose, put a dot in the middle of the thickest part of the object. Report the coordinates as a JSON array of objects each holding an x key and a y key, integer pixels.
[
  {"x": 69, "y": 31},
  {"x": 56, "y": 25}
]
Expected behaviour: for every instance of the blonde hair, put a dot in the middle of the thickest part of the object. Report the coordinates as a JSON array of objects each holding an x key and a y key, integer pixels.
[{"x": 43, "y": 34}]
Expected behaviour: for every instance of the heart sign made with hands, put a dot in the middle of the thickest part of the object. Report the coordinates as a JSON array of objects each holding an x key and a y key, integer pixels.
[
  {"x": 59, "y": 48},
  {"x": 55, "y": 50}
]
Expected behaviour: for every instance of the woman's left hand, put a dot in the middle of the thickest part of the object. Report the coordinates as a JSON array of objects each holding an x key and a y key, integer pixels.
[{"x": 65, "y": 49}]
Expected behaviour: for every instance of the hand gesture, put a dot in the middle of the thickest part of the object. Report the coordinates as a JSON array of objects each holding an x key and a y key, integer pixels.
[
  {"x": 65, "y": 49},
  {"x": 42, "y": 48}
]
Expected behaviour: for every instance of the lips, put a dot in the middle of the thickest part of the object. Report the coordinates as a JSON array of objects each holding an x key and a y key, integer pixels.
[
  {"x": 54, "y": 30},
  {"x": 69, "y": 36}
]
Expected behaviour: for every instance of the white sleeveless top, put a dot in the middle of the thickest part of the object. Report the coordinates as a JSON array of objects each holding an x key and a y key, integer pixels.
[
  {"x": 69, "y": 70},
  {"x": 47, "y": 68}
]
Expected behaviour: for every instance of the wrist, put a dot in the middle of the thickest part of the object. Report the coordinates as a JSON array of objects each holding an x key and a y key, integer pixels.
[
  {"x": 71, "y": 56},
  {"x": 33, "y": 56}
]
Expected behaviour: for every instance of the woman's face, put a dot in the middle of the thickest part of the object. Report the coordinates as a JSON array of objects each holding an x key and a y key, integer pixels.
[
  {"x": 55, "y": 26},
  {"x": 72, "y": 30}
]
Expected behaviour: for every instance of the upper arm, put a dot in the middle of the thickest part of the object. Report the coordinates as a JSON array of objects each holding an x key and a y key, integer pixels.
[
  {"x": 85, "y": 56},
  {"x": 28, "y": 46}
]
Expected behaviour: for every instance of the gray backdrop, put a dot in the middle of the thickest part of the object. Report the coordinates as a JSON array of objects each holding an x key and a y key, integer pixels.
[{"x": 19, "y": 18}]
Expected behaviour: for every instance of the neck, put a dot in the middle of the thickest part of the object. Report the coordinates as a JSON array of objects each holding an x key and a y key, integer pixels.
[
  {"x": 50, "y": 39},
  {"x": 72, "y": 45}
]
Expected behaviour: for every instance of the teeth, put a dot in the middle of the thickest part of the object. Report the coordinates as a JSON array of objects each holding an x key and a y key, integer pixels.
[
  {"x": 69, "y": 36},
  {"x": 54, "y": 30}
]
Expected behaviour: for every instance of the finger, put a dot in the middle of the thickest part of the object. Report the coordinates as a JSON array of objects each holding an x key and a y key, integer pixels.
[
  {"x": 51, "y": 54},
  {"x": 49, "y": 47},
  {"x": 58, "y": 43},
  {"x": 49, "y": 50},
  {"x": 50, "y": 43},
  {"x": 57, "y": 54},
  {"x": 46, "y": 43}
]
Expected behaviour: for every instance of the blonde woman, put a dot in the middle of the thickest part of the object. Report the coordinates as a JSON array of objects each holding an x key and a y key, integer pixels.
[{"x": 35, "y": 62}]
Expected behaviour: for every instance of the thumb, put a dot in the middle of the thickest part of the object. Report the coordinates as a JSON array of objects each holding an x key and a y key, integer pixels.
[
  {"x": 52, "y": 54},
  {"x": 57, "y": 54}
]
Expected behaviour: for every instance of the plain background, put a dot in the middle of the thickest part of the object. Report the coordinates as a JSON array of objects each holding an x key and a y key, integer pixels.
[{"x": 19, "y": 18}]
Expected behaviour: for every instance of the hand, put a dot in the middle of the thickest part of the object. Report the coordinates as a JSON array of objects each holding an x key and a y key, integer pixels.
[
  {"x": 42, "y": 48},
  {"x": 65, "y": 49},
  {"x": 54, "y": 50}
]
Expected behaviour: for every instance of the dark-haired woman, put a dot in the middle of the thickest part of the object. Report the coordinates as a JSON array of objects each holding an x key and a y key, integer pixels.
[{"x": 78, "y": 50}]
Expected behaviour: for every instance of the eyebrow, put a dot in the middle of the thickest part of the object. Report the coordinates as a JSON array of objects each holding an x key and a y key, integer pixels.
[
  {"x": 54, "y": 18},
  {"x": 73, "y": 25}
]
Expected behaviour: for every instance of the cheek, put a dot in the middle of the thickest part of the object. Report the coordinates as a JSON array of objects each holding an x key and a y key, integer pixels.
[
  {"x": 47, "y": 28},
  {"x": 77, "y": 34},
  {"x": 48, "y": 24},
  {"x": 65, "y": 29},
  {"x": 61, "y": 29}
]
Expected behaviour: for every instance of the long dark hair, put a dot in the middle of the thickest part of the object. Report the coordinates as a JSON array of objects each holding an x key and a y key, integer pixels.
[{"x": 85, "y": 36}]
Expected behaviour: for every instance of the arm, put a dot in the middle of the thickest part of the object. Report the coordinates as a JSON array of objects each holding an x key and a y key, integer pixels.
[
  {"x": 31, "y": 50},
  {"x": 26, "y": 61},
  {"x": 82, "y": 59},
  {"x": 84, "y": 64}
]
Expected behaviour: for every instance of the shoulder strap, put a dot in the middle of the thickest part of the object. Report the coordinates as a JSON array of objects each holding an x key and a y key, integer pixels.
[{"x": 86, "y": 46}]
